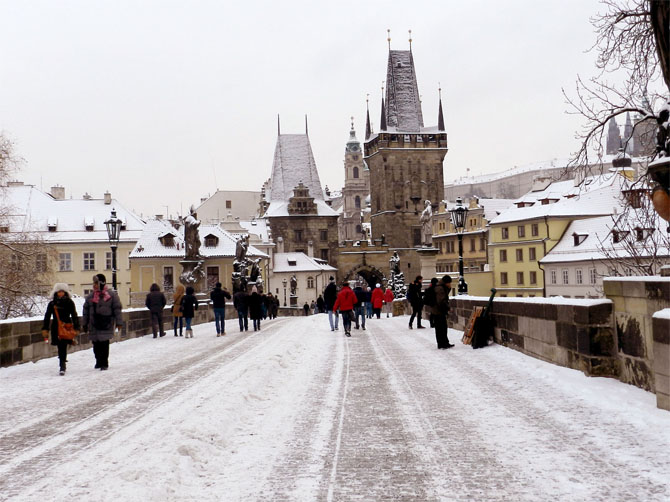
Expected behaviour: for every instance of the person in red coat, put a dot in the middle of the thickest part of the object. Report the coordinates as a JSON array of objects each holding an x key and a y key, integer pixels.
[
  {"x": 377, "y": 300},
  {"x": 388, "y": 301},
  {"x": 346, "y": 299}
]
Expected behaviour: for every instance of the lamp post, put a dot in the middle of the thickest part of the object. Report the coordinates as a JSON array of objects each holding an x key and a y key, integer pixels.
[
  {"x": 284, "y": 284},
  {"x": 113, "y": 225},
  {"x": 458, "y": 218}
]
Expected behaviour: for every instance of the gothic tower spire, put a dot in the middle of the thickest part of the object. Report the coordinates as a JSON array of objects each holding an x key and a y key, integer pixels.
[
  {"x": 440, "y": 116},
  {"x": 368, "y": 129}
]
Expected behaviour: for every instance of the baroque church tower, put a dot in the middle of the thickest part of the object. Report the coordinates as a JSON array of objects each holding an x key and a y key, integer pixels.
[
  {"x": 404, "y": 158},
  {"x": 356, "y": 189}
]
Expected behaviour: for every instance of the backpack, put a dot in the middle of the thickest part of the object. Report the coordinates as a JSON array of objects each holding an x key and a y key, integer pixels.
[{"x": 429, "y": 297}]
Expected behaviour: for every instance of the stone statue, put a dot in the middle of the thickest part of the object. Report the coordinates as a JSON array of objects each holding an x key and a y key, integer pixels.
[
  {"x": 394, "y": 263},
  {"x": 255, "y": 270},
  {"x": 191, "y": 236},
  {"x": 426, "y": 220},
  {"x": 294, "y": 284},
  {"x": 241, "y": 248}
]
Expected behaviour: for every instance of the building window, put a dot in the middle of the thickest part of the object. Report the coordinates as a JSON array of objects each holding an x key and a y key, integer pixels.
[
  {"x": 310, "y": 282},
  {"x": 87, "y": 292},
  {"x": 519, "y": 277},
  {"x": 168, "y": 279},
  {"x": 229, "y": 204},
  {"x": 553, "y": 277},
  {"x": 108, "y": 260},
  {"x": 505, "y": 233},
  {"x": 482, "y": 244},
  {"x": 503, "y": 277},
  {"x": 578, "y": 276},
  {"x": 531, "y": 254},
  {"x": 521, "y": 230},
  {"x": 355, "y": 172},
  {"x": 298, "y": 235},
  {"x": 323, "y": 235},
  {"x": 503, "y": 255},
  {"x": 451, "y": 246},
  {"x": 533, "y": 277},
  {"x": 473, "y": 245},
  {"x": 4, "y": 229},
  {"x": 416, "y": 232},
  {"x": 211, "y": 241},
  {"x": 64, "y": 262},
  {"x": 519, "y": 255},
  {"x": 566, "y": 277},
  {"x": 41, "y": 262},
  {"x": 359, "y": 230},
  {"x": 534, "y": 230},
  {"x": 592, "y": 275},
  {"x": 89, "y": 261},
  {"x": 324, "y": 254}
]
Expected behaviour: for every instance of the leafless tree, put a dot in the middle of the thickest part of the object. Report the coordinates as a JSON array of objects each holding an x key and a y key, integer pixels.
[
  {"x": 633, "y": 59},
  {"x": 24, "y": 256}
]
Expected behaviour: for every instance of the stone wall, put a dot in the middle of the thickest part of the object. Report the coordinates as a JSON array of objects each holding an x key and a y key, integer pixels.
[
  {"x": 661, "y": 366},
  {"x": 21, "y": 341}
]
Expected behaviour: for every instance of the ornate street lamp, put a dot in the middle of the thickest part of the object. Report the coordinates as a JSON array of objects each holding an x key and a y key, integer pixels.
[
  {"x": 458, "y": 218},
  {"x": 284, "y": 284},
  {"x": 113, "y": 225}
]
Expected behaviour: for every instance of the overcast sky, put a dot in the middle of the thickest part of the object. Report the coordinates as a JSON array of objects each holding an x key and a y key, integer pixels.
[{"x": 161, "y": 102}]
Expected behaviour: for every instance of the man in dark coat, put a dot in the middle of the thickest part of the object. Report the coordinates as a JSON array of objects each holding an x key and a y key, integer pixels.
[
  {"x": 359, "y": 309},
  {"x": 320, "y": 304},
  {"x": 415, "y": 298},
  {"x": 241, "y": 304},
  {"x": 219, "y": 297},
  {"x": 440, "y": 311},
  {"x": 156, "y": 302},
  {"x": 329, "y": 297},
  {"x": 101, "y": 316}
]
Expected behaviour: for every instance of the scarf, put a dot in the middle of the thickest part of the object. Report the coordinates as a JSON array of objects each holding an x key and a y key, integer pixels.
[{"x": 104, "y": 293}]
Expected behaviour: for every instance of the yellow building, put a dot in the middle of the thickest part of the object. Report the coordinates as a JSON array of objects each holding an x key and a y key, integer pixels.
[
  {"x": 74, "y": 232},
  {"x": 158, "y": 252},
  {"x": 523, "y": 234}
]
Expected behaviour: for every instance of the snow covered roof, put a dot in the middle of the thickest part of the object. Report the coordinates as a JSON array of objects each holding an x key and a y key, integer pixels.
[
  {"x": 66, "y": 220},
  {"x": 595, "y": 196},
  {"x": 299, "y": 262},
  {"x": 293, "y": 163},
  {"x": 403, "y": 104},
  {"x": 149, "y": 244},
  {"x": 257, "y": 227},
  {"x": 280, "y": 208}
]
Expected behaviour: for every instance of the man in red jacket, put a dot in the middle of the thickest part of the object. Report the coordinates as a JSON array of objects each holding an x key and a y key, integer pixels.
[
  {"x": 377, "y": 299},
  {"x": 388, "y": 301},
  {"x": 346, "y": 300}
]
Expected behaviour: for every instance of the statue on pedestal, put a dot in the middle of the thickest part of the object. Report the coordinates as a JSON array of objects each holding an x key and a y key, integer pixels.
[
  {"x": 192, "y": 264},
  {"x": 397, "y": 280},
  {"x": 426, "y": 220}
]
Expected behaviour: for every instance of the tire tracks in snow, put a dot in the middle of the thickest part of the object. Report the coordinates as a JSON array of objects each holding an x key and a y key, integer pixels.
[{"x": 28, "y": 452}]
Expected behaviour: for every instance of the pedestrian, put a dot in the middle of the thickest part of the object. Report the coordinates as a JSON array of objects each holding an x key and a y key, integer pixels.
[
  {"x": 255, "y": 308},
  {"x": 415, "y": 298},
  {"x": 313, "y": 307},
  {"x": 219, "y": 296},
  {"x": 189, "y": 305},
  {"x": 329, "y": 297},
  {"x": 345, "y": 303},
  {"x": 368, "y": 302},
  {"x": 156, "y": 302},
  {"x": 241, "y": 304},
  {"x": 101, "y": 315},
  {"x": 177, "y": 315},
  {"x": 267, "y": 306},
  {"x": 359, "y": 310},
  {"x": 320, "y": 304},
  {"x": 440, "y": 310},
  {"x": 429, "y": 300},
  {"x": 61, "y": 309},
  {"x": 377, "y": 299},
  {"x": 305, "y": 307},
  {"x": 388, "y": 301},
  {"x": 264, "y": 307},
  {"x": 274, "y": 305}
]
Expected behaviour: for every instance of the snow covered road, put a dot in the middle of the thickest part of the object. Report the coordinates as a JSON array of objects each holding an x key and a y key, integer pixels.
[{"x": 297, "y": 412}]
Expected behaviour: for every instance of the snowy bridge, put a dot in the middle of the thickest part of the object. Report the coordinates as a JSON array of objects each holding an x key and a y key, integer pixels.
[{"x": 297, "y": 412}]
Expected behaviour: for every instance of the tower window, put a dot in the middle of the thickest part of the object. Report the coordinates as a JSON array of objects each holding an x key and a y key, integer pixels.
[
  {"x": 357, "y": 199},
  {"x": 355, "y": 172}
]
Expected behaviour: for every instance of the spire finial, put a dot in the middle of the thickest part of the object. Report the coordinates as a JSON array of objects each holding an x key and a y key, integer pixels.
[
  {"x": 383, "y": 82},
  {"x": 352, "y": 122},
  {"x": 388, "y": 32},
  {"x": 410, "y": 40},
  {"x": 278, "y": 128},
  {"x": 439, "y": 90},
  {"x": 306, "y": 130},
  {"x": 368, "y": 127}
]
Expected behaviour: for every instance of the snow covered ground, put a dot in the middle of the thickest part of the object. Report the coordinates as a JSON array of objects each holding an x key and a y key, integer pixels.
[{"x": 297, "y": 412}]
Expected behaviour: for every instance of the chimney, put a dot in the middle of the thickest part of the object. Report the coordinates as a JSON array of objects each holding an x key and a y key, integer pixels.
[
  {"x": 108, "y": 198},
  {"x": 203, "y": 199},
  {"x": 58, "y": 192},
  {"x": 310, "y": 248},
  {"x": 86, "y": 196},
  {"x": 159, "y": 216}
]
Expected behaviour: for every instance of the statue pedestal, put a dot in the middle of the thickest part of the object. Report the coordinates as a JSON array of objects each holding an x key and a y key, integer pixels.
[
  {"x": 428, "y": 259},
  {"x": 293, "y": 301}
]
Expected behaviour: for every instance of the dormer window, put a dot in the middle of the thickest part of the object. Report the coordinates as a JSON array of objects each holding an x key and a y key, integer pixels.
[
  {"x": 167, "y": 240},
  {"x": 619, "y": 235},
  {"x": 292, "y": 263},
  {"x": 4, "y": 229},
  {"x": 642, "y": 233},
  {"x": 89, "y": 224},
  {"x": 579, "y": 238},
  {"x": 211, "y": 241},
  {"x": 52, "y": 223},
  {"x": 634, "y": 197}
]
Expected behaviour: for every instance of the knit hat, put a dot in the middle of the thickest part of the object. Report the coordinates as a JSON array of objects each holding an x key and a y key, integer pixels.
[
  {"x": 101, "y": 279},
  {"x": 332, "y": 279},
  {"x": 60, "y": 286},
  {"x": 378, "y": 285}
]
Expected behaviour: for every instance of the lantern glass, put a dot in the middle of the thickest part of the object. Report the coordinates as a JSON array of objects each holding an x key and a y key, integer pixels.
[
  {"x": 113, "y": 225},
  {"x": 458, "y": 215}
]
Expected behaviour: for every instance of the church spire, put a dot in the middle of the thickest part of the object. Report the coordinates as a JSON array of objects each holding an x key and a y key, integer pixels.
[
  {"x": 368, "y": 129},
  {"x": 306, "y": 130},
  {"x": 440, "y": 116},
  {"x": 382, "y": 120}
]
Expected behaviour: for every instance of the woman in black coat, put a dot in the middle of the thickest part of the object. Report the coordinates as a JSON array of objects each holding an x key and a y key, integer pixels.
[
  {"x": 255, "y": 309},
  {"x": 189, "y": 305},
  {"x": 63, "y": 304}
]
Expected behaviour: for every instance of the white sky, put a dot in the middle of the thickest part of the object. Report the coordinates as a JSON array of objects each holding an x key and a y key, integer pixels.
[{"x": 150, "y": 99}]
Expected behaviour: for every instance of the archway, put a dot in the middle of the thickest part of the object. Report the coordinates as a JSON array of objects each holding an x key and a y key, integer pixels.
[{"x": 371, "y": 275}]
